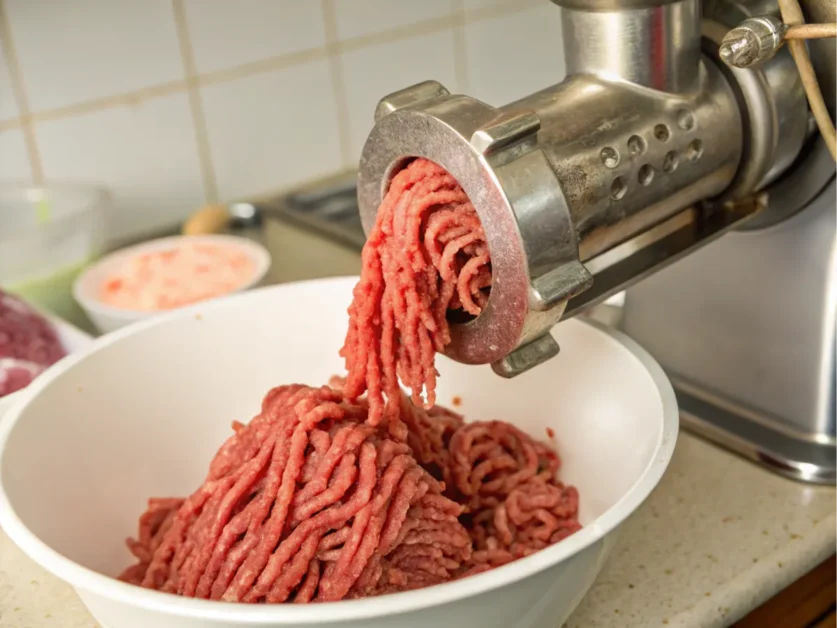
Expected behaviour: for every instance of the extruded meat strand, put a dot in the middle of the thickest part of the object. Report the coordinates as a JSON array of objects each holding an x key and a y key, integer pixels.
[{"x": 426, "y": 255}]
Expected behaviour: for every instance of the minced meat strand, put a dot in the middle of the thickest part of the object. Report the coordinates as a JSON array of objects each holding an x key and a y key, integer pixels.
[{"x": 425, "y": 256}]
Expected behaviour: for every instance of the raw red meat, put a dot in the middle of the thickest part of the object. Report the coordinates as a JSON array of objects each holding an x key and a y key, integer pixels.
[
  {"x": 425, "y": 256},
  {"x": 28, "y": 344},
  {"x": 308, "y": 502}
]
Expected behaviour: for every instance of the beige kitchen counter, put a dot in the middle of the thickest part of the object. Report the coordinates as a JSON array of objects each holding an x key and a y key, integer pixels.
[{"x": 717, "y": 538}]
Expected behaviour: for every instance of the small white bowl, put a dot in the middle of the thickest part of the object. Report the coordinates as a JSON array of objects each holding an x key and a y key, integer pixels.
[
  {"x": 143, "y": 411},
  {"x": 107, "y": 318}
]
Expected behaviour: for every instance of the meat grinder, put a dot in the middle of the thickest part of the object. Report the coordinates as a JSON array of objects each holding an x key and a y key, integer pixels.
[{"x": 679, "y": 159}]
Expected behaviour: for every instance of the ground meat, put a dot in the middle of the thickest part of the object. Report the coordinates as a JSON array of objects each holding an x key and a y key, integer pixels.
[
  {"x": 507, "y": 484},
  {"x": 330, "y": 493},
  {"x": 28, "y": 344},
  {"x": 308, "y": 502},
  {"x": 426, "y": 255}
]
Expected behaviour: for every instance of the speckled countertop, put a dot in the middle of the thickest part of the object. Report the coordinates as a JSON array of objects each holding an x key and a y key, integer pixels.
[{"x": 718, "y": 537}]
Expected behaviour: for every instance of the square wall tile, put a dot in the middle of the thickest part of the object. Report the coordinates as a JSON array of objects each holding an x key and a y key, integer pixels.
[
  {"x": 14, "y": 158},
  {"x": 530, "y": 58},
  {"x": 356, "y": 18},
  {"x": 226, "y": 34},
  {"x": 272, "y": 130},
  {"x": 8, "y": 106},
  {"x": 372, "y": 72},
  {"x": 477, "y": 5},
  {"x": 76, "y": 51},
  {"x": 145, "y": 154}
]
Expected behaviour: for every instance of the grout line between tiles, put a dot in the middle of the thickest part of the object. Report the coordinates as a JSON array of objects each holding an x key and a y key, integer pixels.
[
  {"x": 11, "y": 123},
  {"x": 210, "y": 184},
  {"x": 128, "y": 99},
  {"x": 515, "y": 6},
  {"x": 20, "y": 96},
  {"x": 333, "y": 49},
  {"x": 460, "y": 50},
  {"x": 338, "y": 83},
  {"x": 425, "y": 27},
  {"x": 261, "y": 66}
]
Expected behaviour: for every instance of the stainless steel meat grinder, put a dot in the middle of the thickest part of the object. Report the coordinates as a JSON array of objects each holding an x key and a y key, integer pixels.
[{"x": 678, "y": 122}]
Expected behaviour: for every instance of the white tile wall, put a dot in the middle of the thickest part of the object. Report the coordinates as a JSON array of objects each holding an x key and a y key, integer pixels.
[
  {"x": 8, "y": 106},
  {"x": 109, "y": 96},
  {"x": 375, "y": 71},
  {"x": 477, "y": 5},
  {"x": 271, "y": 130},
  {"x": 498, "y": 78},
  {"x": 87, "y": 49},
  {"x": 227, "y": 33},
  {"x": 14, "y": 160},
  {"x": 145, "y": 153},
  {"x": 356, "y": 18}
]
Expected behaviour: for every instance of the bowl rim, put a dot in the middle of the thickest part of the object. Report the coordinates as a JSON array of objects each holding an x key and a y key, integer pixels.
[
  {"x": 84, "y": 296},
  {"x": 98, "y": 584}
]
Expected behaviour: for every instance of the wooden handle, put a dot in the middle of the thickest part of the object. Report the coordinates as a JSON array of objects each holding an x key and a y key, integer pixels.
[{"x": 209, "y": 219}]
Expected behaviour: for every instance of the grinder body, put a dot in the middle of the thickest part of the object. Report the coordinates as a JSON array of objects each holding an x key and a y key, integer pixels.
[
  {"x": 650, "y": 149},
  {"x": 644, "y": 128}
]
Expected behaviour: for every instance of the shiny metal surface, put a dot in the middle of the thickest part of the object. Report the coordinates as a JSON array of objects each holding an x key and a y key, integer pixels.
[
  {"x": 690, "y": 144},
  {"x": 752, "y": 42},
  {"x": 797, "y": 187},
  {"x": 656, "y": 47},
  {"x": 737, "y": 430},
  {"x": 691, "y": 230},
  {"x": 750, "y": 321},
  {"x": 773, "y": 102}
]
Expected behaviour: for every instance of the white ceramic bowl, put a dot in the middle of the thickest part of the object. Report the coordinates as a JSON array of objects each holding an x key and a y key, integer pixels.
[
  {"x": 143, "y": 411},
  {"x": 107, "y": 318}
]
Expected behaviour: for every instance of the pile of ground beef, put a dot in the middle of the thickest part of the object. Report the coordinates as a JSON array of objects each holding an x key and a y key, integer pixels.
[
  {"x": 28, "y": 344},
  {"x": 356, "y": 489}
]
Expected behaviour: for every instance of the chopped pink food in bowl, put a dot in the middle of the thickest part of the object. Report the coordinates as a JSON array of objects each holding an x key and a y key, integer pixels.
[
  {"x": 166, "y": 274},
  {"x": 171, "y": 278}
]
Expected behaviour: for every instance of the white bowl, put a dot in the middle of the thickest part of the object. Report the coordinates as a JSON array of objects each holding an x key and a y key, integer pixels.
[
  {"x": 142, "y": 412},
  {"x": 107, "y": 318}
]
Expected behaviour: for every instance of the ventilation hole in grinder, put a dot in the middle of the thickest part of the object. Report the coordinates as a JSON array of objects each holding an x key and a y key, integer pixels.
[
  {"x": 636, "y": 145},
  {"x": 670, "y": 161},
  {"x": 685, "y": 120},
  {"x": 661, "y": 132},
  {"x": 646, "y": 175},
  {"x": 695, "y": 150},
  {"x": 618, "y": 188},
  {"x": 610, "y": 157}
]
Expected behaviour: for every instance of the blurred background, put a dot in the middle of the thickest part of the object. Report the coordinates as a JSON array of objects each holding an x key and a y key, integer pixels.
[{"x": 172, "y": 104}]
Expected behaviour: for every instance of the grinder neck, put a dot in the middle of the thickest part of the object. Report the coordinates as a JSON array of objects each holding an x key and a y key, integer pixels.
[{"x": 649, "y": 44}]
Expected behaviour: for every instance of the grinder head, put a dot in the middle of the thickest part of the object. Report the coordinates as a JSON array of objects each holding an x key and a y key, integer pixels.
[{"x": 495, "y": 158}]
